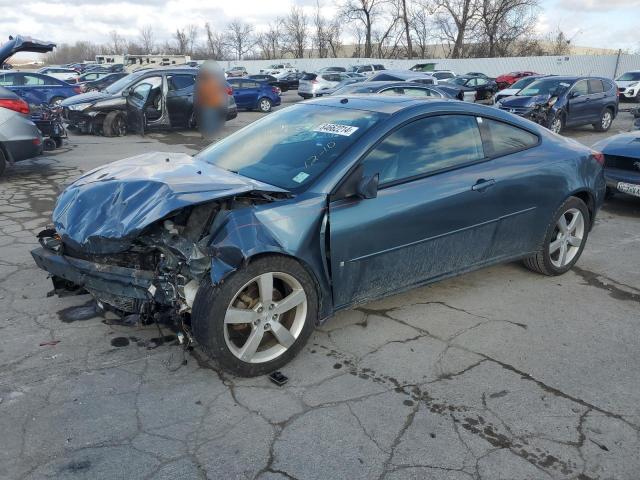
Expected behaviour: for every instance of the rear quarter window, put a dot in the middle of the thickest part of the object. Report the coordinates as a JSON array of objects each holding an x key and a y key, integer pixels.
[
  {"x": 502, "y": 138},
  {"x": 595, "y": 86}
]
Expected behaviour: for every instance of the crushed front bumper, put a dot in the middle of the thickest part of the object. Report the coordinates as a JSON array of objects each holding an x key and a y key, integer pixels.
[{"x": 120, "y": 287}]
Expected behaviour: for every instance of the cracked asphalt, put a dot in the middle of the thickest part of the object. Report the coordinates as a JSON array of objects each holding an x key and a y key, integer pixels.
[{"x": 500, "y": 374}]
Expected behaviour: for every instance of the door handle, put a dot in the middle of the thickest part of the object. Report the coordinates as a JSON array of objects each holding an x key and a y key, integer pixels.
[{"x": 482, "y": 184}]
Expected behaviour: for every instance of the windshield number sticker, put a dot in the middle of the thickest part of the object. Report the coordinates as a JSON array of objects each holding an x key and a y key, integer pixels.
[
  {"x": 301, "y": 177},
  {"x": 343, "y": 130}
]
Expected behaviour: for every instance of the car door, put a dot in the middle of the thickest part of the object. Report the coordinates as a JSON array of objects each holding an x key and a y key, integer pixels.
[
  {"x": 578, "y": 103},
  {"x": 180, "y": 98},
  {"x": 598, "y": 99},
  {"x": 32, "y": 88},
  {"x": 483, "y": 89},
  {"x": 435, "y": 212}
]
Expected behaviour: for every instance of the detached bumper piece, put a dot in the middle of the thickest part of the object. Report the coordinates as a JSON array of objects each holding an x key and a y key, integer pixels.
[{"x": 123, "y": 288}]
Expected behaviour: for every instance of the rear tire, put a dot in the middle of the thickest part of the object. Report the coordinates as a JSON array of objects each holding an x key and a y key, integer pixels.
[
  {"x": 225, "y": 336},
  {"x": 265, "y": 105},
  {"x": 3, "y": 162},
  {"x": 606, "y": 119},
  {"x": 561, "y": 249},
  {"x": 114, "y": 124},
  {"x": 55, "y": 100}
]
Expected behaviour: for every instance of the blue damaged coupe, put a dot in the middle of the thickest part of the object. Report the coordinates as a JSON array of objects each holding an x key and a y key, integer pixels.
[{"x": 254, "y": 241}]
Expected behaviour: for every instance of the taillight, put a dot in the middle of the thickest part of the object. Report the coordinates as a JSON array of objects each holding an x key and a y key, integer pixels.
[
  {"x": 598, "y": 157},
  {"x": 17, "y": 105},
  {"x": 229, "y": 91},
  {"x": 77, "y": 89},
  {"x": 275, "y": 90}
]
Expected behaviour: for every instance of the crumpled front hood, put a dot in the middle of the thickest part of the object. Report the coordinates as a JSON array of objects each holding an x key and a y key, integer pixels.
[
  {"x": 88, "y": 97},
  {"x": 104, "y": 210},
  {"x": 623, "y": 145},
  {"x": 525, "y": 101}
]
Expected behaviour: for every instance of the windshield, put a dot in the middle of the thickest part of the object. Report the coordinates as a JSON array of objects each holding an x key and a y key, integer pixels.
[
  {"x": 629, "y": 77},
  {"x": 458, "y": 80},
  {"x": 123, "y": 83},
  {"x": 520, "y": 84},
  {"x": 292, "y": 147},
  {"x": 545, "y": 87}
]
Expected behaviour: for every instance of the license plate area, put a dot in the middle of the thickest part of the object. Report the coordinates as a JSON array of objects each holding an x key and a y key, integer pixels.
[{"x": 629, "y": 188}]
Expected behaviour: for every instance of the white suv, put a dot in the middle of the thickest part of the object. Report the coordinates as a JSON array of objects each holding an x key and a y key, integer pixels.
[
  {"x": 279, "y": 69},
  {"x": 629, "y": 85},
  {"x": 367, "y": 69}
]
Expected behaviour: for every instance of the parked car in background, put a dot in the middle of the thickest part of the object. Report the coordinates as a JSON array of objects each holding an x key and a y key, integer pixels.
[
  {"x": 423, "y": 67},
  {"x": 271, "y": 80},
  {"x": 20, "y": 139},
  {"x": 331, "y": 69},
  {"x": 88, "y": 77},
  {"x": 234, "y": 72},
  {"x": 351, "y": 79},
  {"x": 516, "y": 87},
  {"x": 291, "y": 80},
  {"x": 316, "y": 84},
  {"x": 394, "y": 88},
  {"x": 629, "y": 85},
  {"x": 477, "y": 74},
  {"x": 559, "y": 102},
  {"x": 621, "y": 162},
  {"x": 6, "y": 66},
  {"x": 159, "y": 98},
  {"x": 278, "y": 69},
  {"x": 270, "y": 243},
  {"x": 252, "y": 94},
  {"x": 36, "y": 88},
  {"x": 367, "y": 69},
  {"x": 404, "y": 76},
  {"x": 102, "y": 82},
  {"x": 443, "y": 74},
  {"x": 508, "y": 79},
  {"x": 106, "y": 67},
  {"x": 64, "y": 74},
  {"x": 484, "y": 88}
]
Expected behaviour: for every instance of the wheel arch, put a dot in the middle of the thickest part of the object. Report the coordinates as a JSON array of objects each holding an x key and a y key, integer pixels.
[{"x": 589, "y": 200}]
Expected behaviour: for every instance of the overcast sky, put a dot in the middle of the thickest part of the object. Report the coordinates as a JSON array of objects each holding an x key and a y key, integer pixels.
[{"x": 594, "y": 23}]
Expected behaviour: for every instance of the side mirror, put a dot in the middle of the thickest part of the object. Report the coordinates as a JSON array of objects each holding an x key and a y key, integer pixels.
[
  {"x": 368, "y": 186},
  {"x": 126, "y": 92},
  {"x": 574, "y": 94},
  {"x": 357, "y": 185}
]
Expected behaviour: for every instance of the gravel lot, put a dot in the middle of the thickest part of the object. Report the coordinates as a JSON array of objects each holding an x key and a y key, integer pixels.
[{"x": 498, "y": 374}]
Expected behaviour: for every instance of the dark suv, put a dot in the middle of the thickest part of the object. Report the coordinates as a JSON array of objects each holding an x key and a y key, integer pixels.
[{"x": 559, "y": 102}]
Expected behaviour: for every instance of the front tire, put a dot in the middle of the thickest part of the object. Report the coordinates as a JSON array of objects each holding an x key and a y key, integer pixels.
[
  {"x": 556, "y": 125},
  {"x": 55, "y": 100},
  {"x": 258, "y": 319},
  {"x": 114, "y": 124},
  {"x": 564, "y": 240}
]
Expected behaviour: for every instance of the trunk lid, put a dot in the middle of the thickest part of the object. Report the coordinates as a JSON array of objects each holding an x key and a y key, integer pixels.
[{"x": 23, "y": 44}]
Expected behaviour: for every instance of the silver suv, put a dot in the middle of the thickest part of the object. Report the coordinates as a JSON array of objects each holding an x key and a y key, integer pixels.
[{"x": 315, "y": 84}]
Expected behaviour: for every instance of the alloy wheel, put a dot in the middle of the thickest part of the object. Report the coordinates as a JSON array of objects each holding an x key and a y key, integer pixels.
[
  {"x": 265, "y": 317},
  {"x": 265, "y": 105},
  {"x": 568, "y": 237},
  {"x": 607, "y": 118},
  {"x": 556, "y": 125},
  {"x": 119, "y": 126}
]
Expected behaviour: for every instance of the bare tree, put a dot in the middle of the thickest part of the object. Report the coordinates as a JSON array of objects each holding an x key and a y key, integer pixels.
[
  {"x": 320, "y": 32},
  {"x": 191, "y": 32},
  {"x": 334, "y": 36},
  {"x": 363, "y": 12},
  {"x": 147, "y": 39},
  {"x": 117, "y": 43},
  {"x": 456, "y": 20},
  {"x": 422, "y": 26},
  {"x": 240, "y": 37},
  {"x": 296, "y": 32},
  {"x": 216, "y": 47},
  {"x": 502, "y": 22},
  {"x": 403, "y": 11},
  {"x": 181, "y": 41},
  {"x": 269, "y": 41}
]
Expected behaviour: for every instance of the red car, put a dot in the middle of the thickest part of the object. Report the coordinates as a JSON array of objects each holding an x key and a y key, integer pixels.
[{"x": 509, "y": 79}]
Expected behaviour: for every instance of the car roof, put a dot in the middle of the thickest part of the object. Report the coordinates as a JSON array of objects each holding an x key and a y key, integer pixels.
[
  {"x": 405, "y": 73},
  {"x": 372, "y": 102}
]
